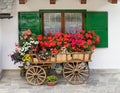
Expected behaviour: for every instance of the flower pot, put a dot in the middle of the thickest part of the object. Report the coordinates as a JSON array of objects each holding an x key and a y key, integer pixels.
[{"x": 52, "y": 83}]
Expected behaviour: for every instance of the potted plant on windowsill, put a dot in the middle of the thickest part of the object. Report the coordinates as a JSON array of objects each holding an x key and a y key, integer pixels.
[{"x": 51, "y": 80}]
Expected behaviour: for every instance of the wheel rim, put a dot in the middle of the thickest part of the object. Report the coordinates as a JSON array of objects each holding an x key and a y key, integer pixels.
[
  {"x": 76, "y": 73},
  {"x": 35, "y": 75}
]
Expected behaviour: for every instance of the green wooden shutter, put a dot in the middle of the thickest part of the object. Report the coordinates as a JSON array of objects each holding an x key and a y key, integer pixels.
[
  {"x": 29, "y": 20},
  {"x": 98, "y": 21}
]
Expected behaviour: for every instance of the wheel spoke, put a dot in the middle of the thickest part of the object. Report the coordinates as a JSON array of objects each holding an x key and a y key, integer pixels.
[
  {"x": 71, "y": 78},
  {"x": 82, "y": 66},
  {"x": 75, "y": 79},
  {"x": 81, "y": 77},
  {"x": 31, "y": 80},
  {"x": 42, "y": 73},
  {"x": 73, "y": 64},
  {"x": 78, "y": 78},
  {"x": 68, "y": 75},
  {"x": 34, "y": 81},
  {"x": 70, "y": 65},
  {"x": 84, "y": 74},
  {"x": 41, "y": 76},
  {"x": 31, "y": 71},
  {"x": 67, "y": 68},
  {"x": 68, "y": 72},
  {"x": 86, "y": 70},
  {"x": 35, "y": 75},
  {"x": 36, "y": 69},
  {"x": 37, "y": 81},
  {"x": 39, "y": 71},
  {"x": 30, "y": 76},
  {"x": 76, "y": 72}
]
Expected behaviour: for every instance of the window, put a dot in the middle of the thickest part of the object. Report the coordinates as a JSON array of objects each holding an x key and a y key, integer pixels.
[
  {"x": 43, "y": 21},
  {"x": 73, "y": 22},
  {"x": 62, "y": 22},
  {"x": 52, "y": 22}
]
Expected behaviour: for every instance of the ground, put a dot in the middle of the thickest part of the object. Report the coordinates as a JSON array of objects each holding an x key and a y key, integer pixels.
[{"x": 100, "y": 81}]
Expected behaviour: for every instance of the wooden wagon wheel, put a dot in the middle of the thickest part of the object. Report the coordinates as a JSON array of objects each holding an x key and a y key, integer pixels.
[
  {"x": 76, "y": 72},
  {"x": 35, "y": 75}
]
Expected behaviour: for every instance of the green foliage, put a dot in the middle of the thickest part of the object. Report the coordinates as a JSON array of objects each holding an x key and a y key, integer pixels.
[{"x": 51, "y": 78}]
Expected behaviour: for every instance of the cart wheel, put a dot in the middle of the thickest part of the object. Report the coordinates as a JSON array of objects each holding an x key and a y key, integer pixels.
[
  {"x": 35, "y": 75},
  {"x": 76, "y": 72}
]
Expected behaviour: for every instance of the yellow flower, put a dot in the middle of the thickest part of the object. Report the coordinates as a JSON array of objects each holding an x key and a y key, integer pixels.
[{"x": 26, "y": 58}]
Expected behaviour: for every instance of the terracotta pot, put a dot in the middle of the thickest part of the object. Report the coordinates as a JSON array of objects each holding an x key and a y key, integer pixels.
[{"x": 52, "y": 83}]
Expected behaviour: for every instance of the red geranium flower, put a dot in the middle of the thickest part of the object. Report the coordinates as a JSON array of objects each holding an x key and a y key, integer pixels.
[
  {"x": 55, "y": 51},
  {"x": 97, "y": 40},
  {"x": 89, "y": 41},
  {"x": 93, "y": 47},
  {"x": 59, "y": 43},
  {"x": 88, "y": 35},
  {"x": 39, "y": 37}
]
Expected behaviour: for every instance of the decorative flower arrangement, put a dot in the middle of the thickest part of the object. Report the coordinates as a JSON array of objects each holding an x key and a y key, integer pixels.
[
  {"x": 49, "y": 45},
  {"x": 27, "y": 39},
  {"x": 81, "y": 41}
]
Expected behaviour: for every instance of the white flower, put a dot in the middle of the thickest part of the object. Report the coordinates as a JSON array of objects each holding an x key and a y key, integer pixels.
[
  {"x": 22, "y": 49},
  {"x": 27, "y": 43},
  {"x": 26, "y": 48},
  {"x": 36, "y": 42},
  {"x": 22, "y": 53},
  {"x": 31, "y": 41}
]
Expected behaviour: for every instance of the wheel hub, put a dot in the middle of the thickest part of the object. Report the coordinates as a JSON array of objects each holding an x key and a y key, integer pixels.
[
  {"x": 76, "y": 71},
  {"x": 35, "y": 76}
]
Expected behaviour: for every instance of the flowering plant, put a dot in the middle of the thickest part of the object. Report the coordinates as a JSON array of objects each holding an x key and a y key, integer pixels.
[
  {"x": 81, "y": 41},
  {"x": 27, "y": 39},
  {"x": 26, "y": 58},
  {"x": 49, "y": 45}
]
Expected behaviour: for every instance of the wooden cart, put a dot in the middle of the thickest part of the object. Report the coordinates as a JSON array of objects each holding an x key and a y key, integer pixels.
[{"x": 75, "y": 67}]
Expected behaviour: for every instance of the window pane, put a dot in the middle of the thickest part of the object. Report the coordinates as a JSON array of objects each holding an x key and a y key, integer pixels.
[
  {"x": 73, "y": 22},
  {"x": 52, "y": 22}
]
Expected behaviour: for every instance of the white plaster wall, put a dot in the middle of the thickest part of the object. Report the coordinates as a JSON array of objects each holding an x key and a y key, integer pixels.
[
  {"x": 0, "y": 48},
  {"x": 103, "y": 58}
]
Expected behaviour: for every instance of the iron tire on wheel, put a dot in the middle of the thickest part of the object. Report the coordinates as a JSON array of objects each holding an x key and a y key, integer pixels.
[
  {"x": 35, "y": 75},
  {"x": 76, "y": 72}
]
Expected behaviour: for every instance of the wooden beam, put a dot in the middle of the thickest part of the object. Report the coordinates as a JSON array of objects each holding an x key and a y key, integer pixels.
[
  {"x": 22, "y": 1},
  {"x": 113, "y": 1},
  {"x": 52, "y": 1},
  {"x": 83, "y": 1}
]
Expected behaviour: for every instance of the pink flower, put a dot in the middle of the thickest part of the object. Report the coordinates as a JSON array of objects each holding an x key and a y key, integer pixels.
[
  {"x": 17, "y": 45},
  {"x": 25, "y": 36},
  {"x": 27, "y": 32},
  {"x": 21, "y": 38},
  {"x": 16, "y": 50}
]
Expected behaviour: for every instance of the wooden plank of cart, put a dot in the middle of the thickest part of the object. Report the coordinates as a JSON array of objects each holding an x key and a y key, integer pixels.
[{"x": 75, "y": 67}]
